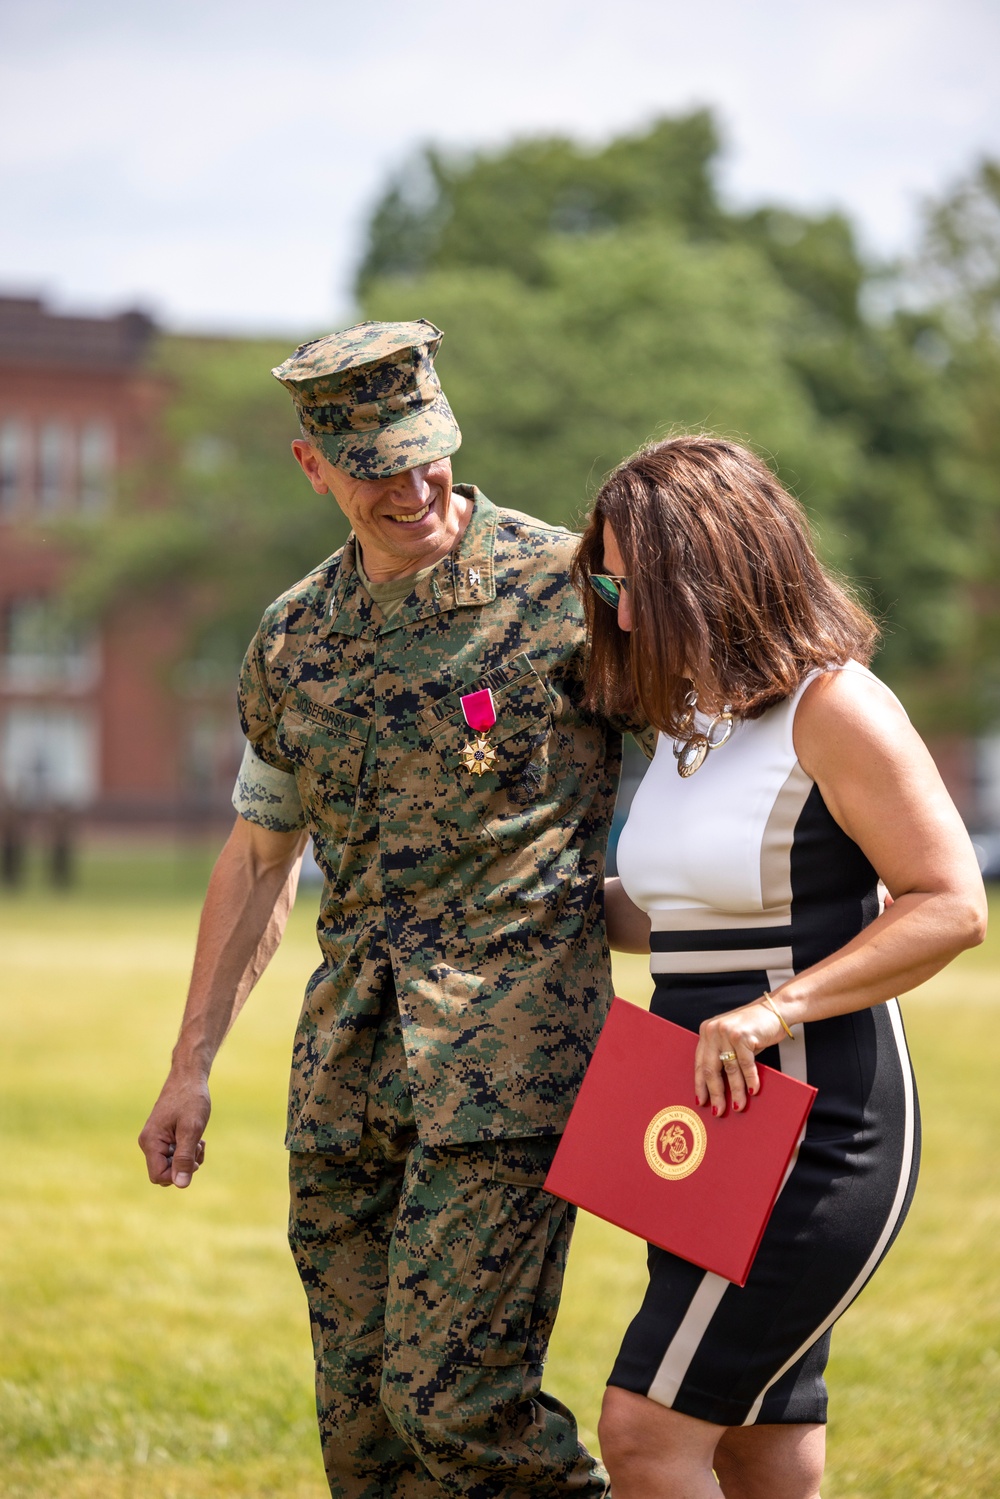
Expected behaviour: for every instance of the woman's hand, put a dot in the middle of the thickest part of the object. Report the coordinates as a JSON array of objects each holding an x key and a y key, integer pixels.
[{"x": 737, "y": 1036}]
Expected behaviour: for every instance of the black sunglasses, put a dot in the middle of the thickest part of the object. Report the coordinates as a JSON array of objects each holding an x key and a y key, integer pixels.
[{"x": 608, "y": 586}]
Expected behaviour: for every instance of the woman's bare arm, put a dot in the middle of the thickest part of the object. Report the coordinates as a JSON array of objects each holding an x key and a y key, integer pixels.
[
  {"x": 628, "y": 927},
  {"x": 882, "y": 787}
]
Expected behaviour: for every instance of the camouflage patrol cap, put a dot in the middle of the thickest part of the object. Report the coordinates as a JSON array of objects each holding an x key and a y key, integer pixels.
[{"x": 370, "y": 399}]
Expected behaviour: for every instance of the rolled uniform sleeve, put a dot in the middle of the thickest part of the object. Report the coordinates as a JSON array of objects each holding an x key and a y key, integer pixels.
[{"x": 267, "y": 796}]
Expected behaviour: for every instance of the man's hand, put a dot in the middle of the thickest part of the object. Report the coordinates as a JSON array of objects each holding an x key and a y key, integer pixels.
[
  {"x": 171, "y": 1139},
  {"x": 249, "y": 896}
]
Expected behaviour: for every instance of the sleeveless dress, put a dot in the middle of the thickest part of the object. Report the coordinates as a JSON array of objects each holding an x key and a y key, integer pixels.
[{"x": 747, "y": 879}]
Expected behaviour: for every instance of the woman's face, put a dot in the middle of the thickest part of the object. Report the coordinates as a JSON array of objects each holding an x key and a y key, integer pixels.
[{"x": 614, "y": 563}]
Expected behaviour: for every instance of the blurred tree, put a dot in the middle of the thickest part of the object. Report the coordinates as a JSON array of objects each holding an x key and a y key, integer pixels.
[
  {"x": 594, "y": 299},
  {"x": 625, "y": 338},
  {"x": 498, "y": 210},
  {"x": 908, "y": 523},
  {"x": 960, "y": 254},
  {"x": 221, "y": 519},
  {"x": 957, "y": 271}
]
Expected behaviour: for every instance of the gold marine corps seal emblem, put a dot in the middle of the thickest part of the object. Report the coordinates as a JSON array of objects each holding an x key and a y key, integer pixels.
[{"x": 675, "y": 1142}]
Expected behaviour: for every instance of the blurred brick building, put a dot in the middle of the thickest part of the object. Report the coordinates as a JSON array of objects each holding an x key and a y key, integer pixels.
[{"x": 96, "y": 723}]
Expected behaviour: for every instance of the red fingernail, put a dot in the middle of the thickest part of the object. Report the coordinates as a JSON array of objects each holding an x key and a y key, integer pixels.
[{"x": 714, "y": 1109}]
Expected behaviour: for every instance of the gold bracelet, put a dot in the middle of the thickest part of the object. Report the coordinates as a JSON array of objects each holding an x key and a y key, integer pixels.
[{"x": 768, "y": 1000}]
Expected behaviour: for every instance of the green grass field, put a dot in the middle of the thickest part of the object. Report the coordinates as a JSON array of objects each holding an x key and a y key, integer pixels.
[{"x": 153, "y": 1344}]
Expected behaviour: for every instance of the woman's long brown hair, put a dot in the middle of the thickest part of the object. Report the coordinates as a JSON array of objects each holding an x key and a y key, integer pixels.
[{"x": 726, "y": 591}]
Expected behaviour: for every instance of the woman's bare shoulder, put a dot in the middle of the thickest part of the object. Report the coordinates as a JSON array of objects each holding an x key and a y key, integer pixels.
[{"x": 846, "y": 714}]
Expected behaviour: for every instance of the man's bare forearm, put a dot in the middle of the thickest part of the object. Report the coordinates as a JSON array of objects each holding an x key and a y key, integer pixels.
[
  {"x": 250, "y": 893},
  {"x": 249, "y": 897}
]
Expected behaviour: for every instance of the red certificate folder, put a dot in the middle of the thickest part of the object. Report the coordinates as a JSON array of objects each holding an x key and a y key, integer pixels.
[{"x": 639, "y": 1152}]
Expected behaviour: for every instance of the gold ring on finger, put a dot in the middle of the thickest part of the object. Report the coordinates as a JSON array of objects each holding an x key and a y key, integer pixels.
[{"x": 727, "y": 1056}]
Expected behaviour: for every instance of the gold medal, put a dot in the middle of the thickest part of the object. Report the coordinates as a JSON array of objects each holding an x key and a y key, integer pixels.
[
  {"x": 480, "y": 713},
  {"x": 478, "y": 756}
]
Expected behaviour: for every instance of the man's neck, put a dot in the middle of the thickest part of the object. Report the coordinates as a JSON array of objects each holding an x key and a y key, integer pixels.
[
  {"x": 383, "y": 566},
  {"x": 389, "y": 584}
]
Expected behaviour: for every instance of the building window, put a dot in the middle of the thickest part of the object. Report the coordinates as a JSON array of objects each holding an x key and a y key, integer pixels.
[
  {"x": 48, "y": 757},
  {"x": 97, "y": 462},
  {"x": 42, "y": 652},
  {"x": 55, "y": 455},
  {"x": 13, "y": 451}
]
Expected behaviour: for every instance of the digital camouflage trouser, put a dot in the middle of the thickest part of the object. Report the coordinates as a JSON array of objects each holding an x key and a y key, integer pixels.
[{"x": 433, "y": 1278}]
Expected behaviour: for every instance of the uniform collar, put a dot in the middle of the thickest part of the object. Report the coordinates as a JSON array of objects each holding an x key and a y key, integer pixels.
[{"x": 463, "y": 579}]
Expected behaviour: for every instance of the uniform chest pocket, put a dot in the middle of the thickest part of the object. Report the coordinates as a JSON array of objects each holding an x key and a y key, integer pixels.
[
  {"x": 516, "y": 774},
  {"x": 327, "y": 748}
]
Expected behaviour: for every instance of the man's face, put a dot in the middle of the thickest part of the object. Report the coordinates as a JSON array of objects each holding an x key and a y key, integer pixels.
[{"x": 403, "y": 523}]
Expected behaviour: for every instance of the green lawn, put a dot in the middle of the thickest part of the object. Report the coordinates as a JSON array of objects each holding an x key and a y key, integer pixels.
[{"x": 153, "y": 1344}]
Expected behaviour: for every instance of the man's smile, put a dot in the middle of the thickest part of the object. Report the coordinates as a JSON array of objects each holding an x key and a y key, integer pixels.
[{"x": 409, "y": 520}]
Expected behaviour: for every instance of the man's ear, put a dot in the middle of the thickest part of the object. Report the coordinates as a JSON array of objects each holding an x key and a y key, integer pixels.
[{"x": 308, "y": 460}]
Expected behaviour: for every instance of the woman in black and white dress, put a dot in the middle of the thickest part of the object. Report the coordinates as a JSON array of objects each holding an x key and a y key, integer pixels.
[{"x": 787, "y": 789}]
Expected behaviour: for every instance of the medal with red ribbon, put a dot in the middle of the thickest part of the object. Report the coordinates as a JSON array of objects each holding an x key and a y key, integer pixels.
[{"x": 480, "y": 713}]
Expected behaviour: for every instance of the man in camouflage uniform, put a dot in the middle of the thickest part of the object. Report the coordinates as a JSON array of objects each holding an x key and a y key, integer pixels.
[{"x": 414, "y": 705}]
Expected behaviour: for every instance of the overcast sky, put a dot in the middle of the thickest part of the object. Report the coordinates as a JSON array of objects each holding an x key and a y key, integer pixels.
[{"x": 214, "y": 160}]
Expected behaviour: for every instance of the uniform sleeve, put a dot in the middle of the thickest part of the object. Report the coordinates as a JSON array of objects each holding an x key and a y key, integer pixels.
[
  {"x": 256, "y": 710},
  {"x": 267, "y": 796},
  {"x": 646, "y": 740}
]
